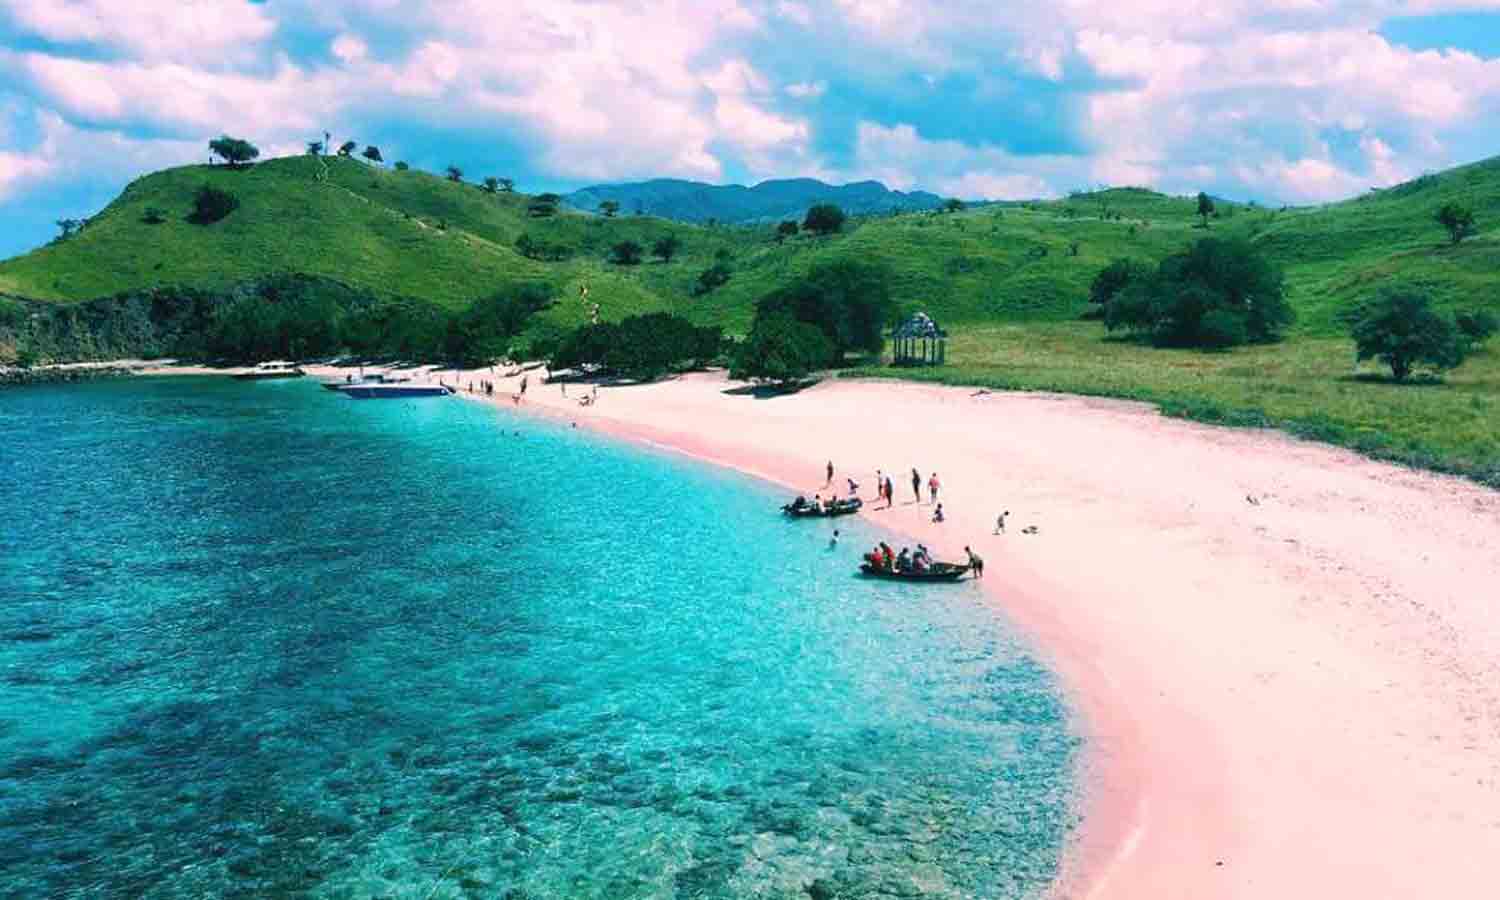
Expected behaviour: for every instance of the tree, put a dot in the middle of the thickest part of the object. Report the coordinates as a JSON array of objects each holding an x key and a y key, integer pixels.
[
  {"x": 455, "y": 173},
  {"x": 953, "y": 205},
  {"x": 823, "y": 218},
  {"x": 372, "y": 153},
  {"x": 507, "y": 186},
  {"x": 785, "y": 230},
  {"x": 1205, "y": 207},
  {"x": 154, "y": 215},
  {"x": 625, "y": 253},
  {"x": 314, "y": 148},
  {"x": 233, "y": 150},
  {"x": 491, "y": 185},
  {"x": 1458, "y": 219},
  {"x": 347, "y": 148},
  {"x": 610, "y": 208},
  {"x": 1114, "y": 278},
  {"x": 549, "y": 197},
  {"x": 540, "y": 209},
  {"x": 780, "y": 349},
  {"x": 712, "y": 278},
  {"x": 211, "y": 204},
  {"x": 68, "y": 227},
  {"x": 849, "y": 301},
  {"x": 402, "y": 166},
  {"x": 666, "y": 247},
  {"x": 1476, "y": 326},
  {"x": 1399, "y": 327},
  {"x": 1217, "y": 293}
]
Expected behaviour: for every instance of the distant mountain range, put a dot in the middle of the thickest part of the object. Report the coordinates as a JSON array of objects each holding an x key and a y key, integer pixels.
[{"x": 694, "y": 201}]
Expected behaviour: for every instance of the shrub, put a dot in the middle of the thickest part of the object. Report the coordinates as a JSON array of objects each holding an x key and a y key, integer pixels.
[
  {"x": 1477, "y": 326},
  {"x": 1172, "y": 304},
  {"x": 711, "y": 279},
  {"x": 1458, "y": 219},
  {"x": 1399, "y": 327},
  {"x": 154, "y": 215},
  {"x": 782, "y": 350},
  {"x": 848, "y": 301},
  {"x": 402, "y": 166},
  {"x": 625, "y": 253},
  {"x": 211, "y": 204},
  {"x": 823, "y": 218},
  {"x": 666, "y": 247},
  {"x": 785, "y": 230}
]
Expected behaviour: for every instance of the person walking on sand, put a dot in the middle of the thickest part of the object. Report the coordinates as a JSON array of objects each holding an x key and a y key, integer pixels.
[
  {"x": 524, "y": 380},
  {"x": 975, "y": 563},
  {"x": 932, "y": 487},
  {"x": 1000, "y": 522},
  {"x": 830, "y": 474},
  {"x": 916, "y": 486},
  {"x": 890, "y": 493}
]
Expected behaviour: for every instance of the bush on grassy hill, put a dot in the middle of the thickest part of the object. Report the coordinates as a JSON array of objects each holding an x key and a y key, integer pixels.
[
  {"x": 491, "y": 185},
  {"x": 154, "y": 215},
  {"x": 1458, "y": 219},
  {"x": 1228, "y": 278},
  {"x": 666, "y": 247},
  {"x": 625, "y": 253},
  {"x": 1476, "y": 326},
  {"x": 848, "y": 301},
  {"x": 823, "y": 218},
  {"x": 781, "y": 350},
  {"x": 454, "y": 173},
  {"x": 531, "y": 248},
  {"x": 785, "y": 230},
  {"x": 210, "y": 204},
  {"x": 711, "y": 279},
  {"x": 402, "y": 165},
  {"x": 233, "y": 150},
  {"x": 1399, "y": 327},
  {"x": 642, "y": 347},
  {"x": 610, "y": 208}
]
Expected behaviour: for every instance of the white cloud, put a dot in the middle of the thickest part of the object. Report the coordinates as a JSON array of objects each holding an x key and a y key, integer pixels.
[
  {"x": 349, "y": 48},
  {"x": 807, "y": 90},
  {"x": 203, "y": 30},
  {"x": 18, "y": 168}
]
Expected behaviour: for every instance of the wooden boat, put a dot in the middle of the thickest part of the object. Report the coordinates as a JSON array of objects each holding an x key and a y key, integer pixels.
[
  {"x": 264, "y": 371},
  {"x": 811, "y": 510},
  {"x": 938, "y": 571}
]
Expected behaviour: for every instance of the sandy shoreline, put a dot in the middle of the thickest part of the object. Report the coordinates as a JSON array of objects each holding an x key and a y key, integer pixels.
[{"x": 1286, "y": 657}]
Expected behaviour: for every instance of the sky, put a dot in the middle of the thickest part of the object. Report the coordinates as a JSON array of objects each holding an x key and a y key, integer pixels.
[{"x": 1279, "y": 101}]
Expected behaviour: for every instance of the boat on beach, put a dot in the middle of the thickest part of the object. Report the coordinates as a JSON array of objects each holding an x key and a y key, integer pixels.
[
  {"x": 938, "y": 571},
  {"x": 392, "y": 390},
  {"x": 373, "y": 378},
  {"x": 808, "y": 509},
  {"x": 266, "y": 371}
]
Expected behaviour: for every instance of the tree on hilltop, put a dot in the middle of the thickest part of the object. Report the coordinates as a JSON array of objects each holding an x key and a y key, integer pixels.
[
  {"x": 610, "y": 208},
  {"x": 1458, "y": 219},
  {"x": 507, "y": 185},
  {"x": 402, "y": 166},
  {"x": 953, "y": 205},
  {"x": 823, "y": 218},
  {"x": 347, "y": 148},
  {"x": 314, "y": 148},
  {"x": 233, "y": 150},
  {"x": 372, "y": 153},
  {"x": 1205, "y": 207},
  {"x": 491, "y": 184},
  {"x": 455, "y": 174}
]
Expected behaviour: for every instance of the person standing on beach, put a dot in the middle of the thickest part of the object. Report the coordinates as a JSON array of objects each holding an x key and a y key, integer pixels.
[
  {"x": 830, "y": 474},
  {"x": 524, "y": 380},
  {"x": 975, "y": 563},
  {"x": 890, "y": 493},
  {"x": 916, "y": 486},
  {"x": 932, "y": 487},
  {"x": 1000, "y": 522}
]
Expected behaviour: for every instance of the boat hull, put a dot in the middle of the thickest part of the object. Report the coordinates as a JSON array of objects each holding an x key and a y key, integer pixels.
[
  {"x": 946, "y": 572},
  {"x": 267, "y": 376},
  {"x": 844, "y": 508},
  {"x": 392, "y": 391}
]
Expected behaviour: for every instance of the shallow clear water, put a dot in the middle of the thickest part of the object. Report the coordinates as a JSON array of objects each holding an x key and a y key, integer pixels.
[{"x": 260, "y": 640}]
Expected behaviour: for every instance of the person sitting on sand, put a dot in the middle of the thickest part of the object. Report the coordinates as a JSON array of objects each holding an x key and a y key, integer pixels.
[
  {"x": 938, "y": 515},
  {"x": 975, "y": 563},
  {"x": 853, "y": 487}
]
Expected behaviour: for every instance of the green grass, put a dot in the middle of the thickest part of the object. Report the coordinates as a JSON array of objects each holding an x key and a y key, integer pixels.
[
  {"x": 1306, "y": 386},
  {"x": 1008, "y": 280}
]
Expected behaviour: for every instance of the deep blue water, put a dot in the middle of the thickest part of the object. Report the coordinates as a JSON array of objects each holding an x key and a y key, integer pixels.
[{"x": 259, "y": 640}]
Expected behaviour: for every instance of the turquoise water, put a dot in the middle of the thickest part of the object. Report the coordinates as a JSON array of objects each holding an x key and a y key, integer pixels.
[{"x": 258, "y": 640}]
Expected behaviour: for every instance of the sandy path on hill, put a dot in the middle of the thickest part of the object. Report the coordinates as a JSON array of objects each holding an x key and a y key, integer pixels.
[{"x": 1287, "y": 658}]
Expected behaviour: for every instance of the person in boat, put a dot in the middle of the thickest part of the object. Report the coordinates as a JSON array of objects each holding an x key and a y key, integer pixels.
[
  {"x": 923, "y": 555},
  {"x": 887, "y": 556},
  {"x": 800, "y": 503},
  {"x": 976, "y": 564},
  {"x": 876, "y": 558},
  {"x": 903, "y": 560}
]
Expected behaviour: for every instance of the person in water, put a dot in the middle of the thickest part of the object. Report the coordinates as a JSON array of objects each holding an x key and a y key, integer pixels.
[
  {"x": 975, "y": 563},
  {"x": 834, "y": 541}
]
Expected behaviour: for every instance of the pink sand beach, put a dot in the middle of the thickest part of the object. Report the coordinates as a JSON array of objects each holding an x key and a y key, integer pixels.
[{"x": 1285, "y": 658}]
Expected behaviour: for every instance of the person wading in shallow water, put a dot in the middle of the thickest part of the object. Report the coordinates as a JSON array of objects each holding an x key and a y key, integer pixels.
[{"x": 916, "y": 486}]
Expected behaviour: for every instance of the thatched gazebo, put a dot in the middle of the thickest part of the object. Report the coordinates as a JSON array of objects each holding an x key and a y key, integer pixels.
[{"x": 919, "y": 342}]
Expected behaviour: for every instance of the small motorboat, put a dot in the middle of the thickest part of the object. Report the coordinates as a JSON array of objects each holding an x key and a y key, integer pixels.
[
  {"x": 938, "y": 571},
  {"x": 802, "y": 508},
  {"x": 393, "y": 391},
  {"x": 372, "y": 378},
  {"x": 266, "y": 371}
]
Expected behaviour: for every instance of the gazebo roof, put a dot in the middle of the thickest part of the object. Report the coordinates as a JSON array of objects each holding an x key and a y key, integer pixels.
[{"x": 920, "y": 325}]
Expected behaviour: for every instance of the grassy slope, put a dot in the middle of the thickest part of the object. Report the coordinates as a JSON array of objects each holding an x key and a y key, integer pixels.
[{"x": 1002, "y": 278}]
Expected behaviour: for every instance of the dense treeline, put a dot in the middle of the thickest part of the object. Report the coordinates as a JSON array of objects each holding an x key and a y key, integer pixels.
[
  {"x": 640, "y": 347},
  {"x": 283, "y": 317}
]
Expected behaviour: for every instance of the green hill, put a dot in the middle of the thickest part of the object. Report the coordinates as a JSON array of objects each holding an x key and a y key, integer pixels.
[{"x": 1009, "y": 280}]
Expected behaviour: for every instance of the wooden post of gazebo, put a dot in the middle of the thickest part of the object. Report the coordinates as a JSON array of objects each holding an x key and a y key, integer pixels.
[{"x": 906, "y": 349}]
